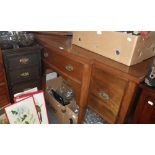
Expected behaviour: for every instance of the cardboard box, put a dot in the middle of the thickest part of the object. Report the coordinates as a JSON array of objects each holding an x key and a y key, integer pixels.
[
  {"x": 64, "y": 113},
  {"x": 122, "y": 47}
]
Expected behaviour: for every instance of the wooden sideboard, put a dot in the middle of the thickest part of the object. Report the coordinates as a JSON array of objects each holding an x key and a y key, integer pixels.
[
  {"x": 4, "y": 95},
  {"x": 106, "y": 86}
]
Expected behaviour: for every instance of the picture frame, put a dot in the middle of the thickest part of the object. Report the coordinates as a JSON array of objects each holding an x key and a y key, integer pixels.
[
  {"x": 39, "y": 103},
  {"x": 23, "y": 112}
]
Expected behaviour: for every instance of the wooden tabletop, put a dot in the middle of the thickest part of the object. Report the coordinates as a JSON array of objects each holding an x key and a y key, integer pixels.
[{"x": 136, "y": 72}]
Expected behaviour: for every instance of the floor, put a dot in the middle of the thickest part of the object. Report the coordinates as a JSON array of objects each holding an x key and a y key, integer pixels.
[
  {"x": 90, "y": 118},
  {"x": 51, "y": 115}
]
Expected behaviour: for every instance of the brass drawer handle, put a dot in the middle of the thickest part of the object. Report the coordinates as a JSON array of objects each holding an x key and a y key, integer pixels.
[
  {"x": 25, "y": 74},
  {"x": 24, "y": 60},
  {"x": 69, "y": 67},
  {"x": 104, "y": 96},
  {"x": 45, "y": 54}
]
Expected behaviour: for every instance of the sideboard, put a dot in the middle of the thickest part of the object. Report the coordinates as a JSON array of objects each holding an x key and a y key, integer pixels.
[{"x": 106, "y": 86}]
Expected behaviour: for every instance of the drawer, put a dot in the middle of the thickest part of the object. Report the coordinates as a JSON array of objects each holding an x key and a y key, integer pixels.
[
  {"x": 145, "y": 110},
  {"x": 64, "y": 64},
  {"x": 3, "y": 96},
  {"x": 25, "y": 86},
  {"x": 106, "y": 92},
  {"x": 25, "y": 74},
  {"x": 20, "y": 60}
]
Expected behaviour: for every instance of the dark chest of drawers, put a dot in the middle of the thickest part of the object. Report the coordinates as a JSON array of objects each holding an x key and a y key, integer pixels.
[{"x": 23, "y": 68}]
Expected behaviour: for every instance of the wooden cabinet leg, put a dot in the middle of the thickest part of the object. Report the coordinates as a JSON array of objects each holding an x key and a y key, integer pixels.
[{"x": 81, "y": 115}]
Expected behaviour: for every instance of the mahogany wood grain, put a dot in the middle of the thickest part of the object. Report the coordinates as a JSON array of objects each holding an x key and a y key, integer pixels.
[
  {"x": 111, "y": 85},
  {"x": 145, "y": 112},
  {"x": 62, "y": 62},
  {"x": 84, "y": 92},
  {"x": 4, "y": 93},
  {"x": 2, "y": 78},
  {"x": 127, "y": 101}
]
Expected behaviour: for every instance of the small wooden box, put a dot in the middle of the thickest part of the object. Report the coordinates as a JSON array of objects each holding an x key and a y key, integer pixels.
[{"x": 122, "y": 47}]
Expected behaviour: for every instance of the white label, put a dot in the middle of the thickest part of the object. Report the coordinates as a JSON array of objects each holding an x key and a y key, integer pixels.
[
  {"x": 150, "y": 103},
  {"x": 99, "y": 32},
  {"x": 61, "y": 48},
  {"x": 129, "y": 39}
]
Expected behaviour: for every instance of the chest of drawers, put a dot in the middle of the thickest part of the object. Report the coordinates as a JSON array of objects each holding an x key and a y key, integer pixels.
[
  {"x": 23, "y": 68},
  {"x": 4, "y": 96}
]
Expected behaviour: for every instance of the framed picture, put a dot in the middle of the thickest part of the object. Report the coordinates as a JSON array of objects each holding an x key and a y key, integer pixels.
[
  {"x": 23, "y": 112},
  {"x": 40, "y": 104},
  {"x": 26, "y": 92}
]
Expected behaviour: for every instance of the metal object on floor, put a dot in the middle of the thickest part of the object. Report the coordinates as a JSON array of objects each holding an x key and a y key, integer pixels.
[{"x": 93, "y": 118}]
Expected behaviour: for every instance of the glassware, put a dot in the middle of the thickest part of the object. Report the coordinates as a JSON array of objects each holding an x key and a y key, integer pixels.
[{"x": 65, "y": 92}]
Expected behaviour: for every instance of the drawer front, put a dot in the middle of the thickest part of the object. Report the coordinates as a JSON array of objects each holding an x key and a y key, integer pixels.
[
  {"x": 25, "y": 74},
  {"x": 106, "y": 92},
  {"x": 22, "y": 60},
  {"x": 3, "y": 96},
  {"x": 25, "y": 86},
  {"x": 145, "y": 111},
  {"x": 64, "y": 64}
]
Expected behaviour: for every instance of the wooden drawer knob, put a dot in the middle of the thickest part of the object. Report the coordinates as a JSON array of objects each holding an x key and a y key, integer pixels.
[
  {"x": 104, "y": 96},
  {"x": 69, "y": 67}
]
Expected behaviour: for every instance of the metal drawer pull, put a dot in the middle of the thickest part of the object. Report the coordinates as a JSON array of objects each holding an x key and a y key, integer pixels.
[
  {"x": 24, "y": 60},
  {"x": 45, "y": 54},
  {"x": 104, "y": 96},
  {"x": 69, "y": 67},
  {"x": 25, "y": 74},
  {"x": 150, "y": 103}
]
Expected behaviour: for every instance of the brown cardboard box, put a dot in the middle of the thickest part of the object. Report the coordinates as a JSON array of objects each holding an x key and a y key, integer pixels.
[
  {"x": 122, "y": 47},
  {"x": 64, "y": 113}
]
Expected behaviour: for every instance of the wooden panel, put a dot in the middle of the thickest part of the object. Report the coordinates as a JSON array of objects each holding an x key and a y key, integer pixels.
[
  {"x": 107, "y": 91},
  {"x": 54, "y": 40},
  {"x": 145, "y": 111},
  {"x": 65, "y": 64},
  {"x": 20, "y": 60},
  {"x": 24, "y": 86},
  {"x": 127, "y": 101},
  {"x": 24, "y": 74},
  {"x": 1, "y": 74},
  {"x": 4, "y": 99},
  {"x": 3, "y": 96}
]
